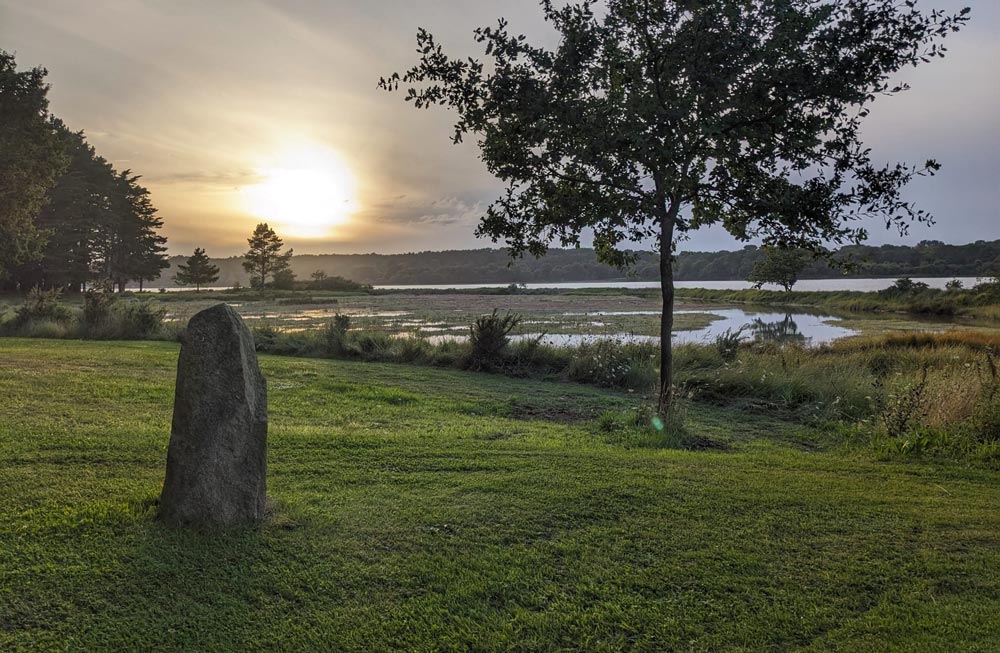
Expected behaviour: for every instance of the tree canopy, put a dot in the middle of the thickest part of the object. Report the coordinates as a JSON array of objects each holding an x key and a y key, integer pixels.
[
  {"x": 67, "y": 217},
  {"x": 779, "y": 265},
  {"x": 653, "y": 119},
  {"x": 264, "y": 260},
  {"x": 198, "y": 271},
  {"x": 31, "y": 159}
]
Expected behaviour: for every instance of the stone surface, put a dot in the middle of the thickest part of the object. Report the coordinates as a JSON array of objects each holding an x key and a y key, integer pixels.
[{"x": 217, "y": 459}]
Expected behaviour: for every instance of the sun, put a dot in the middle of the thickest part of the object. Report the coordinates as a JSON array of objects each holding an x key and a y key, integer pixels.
[{"x": 306, "y": 191}]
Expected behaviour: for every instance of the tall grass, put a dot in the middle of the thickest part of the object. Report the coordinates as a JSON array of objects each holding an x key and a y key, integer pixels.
[
  {"x": 104, "y": 316},
  {"x": 981, "y": 301}
]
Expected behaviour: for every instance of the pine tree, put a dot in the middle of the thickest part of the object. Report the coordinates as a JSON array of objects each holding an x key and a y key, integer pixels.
[
  {"x": 198, "y": 272},
  {"x": 264, "y": 259},
  {"x": 31, "y": 160},
  {"x": 128, "y": 245}
]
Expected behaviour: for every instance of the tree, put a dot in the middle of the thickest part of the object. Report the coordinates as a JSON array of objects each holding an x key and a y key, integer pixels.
[
  {"x": 779, "y": 265},
  {"x": 147, "y": 248},
  {"x": 76, "y": 209},
  {"x": 283, "y": 279},
  {"x": 127, "y": 245},
  {"x": 31, "y": 159},
  {"x": 651, "y": 119},
  {"x": 264, "y": 259},
  {"x": 198, "y": 272}
]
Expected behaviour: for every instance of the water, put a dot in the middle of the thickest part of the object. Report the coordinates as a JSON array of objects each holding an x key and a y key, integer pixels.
[
  {"x": 797, "y": 328},
  {"x": 804, "y": 329}
]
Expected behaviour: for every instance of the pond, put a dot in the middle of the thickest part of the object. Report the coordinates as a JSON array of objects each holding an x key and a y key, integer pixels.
[{"x": 804, "y": 329}]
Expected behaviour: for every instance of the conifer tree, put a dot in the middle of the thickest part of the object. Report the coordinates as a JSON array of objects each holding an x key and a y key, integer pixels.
[
  {"x": 198, "y": 271},
  {"x": 264, "y": 259}
]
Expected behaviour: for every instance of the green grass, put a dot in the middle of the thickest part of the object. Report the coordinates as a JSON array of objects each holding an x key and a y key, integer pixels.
[{"x": 421, "y": 509}]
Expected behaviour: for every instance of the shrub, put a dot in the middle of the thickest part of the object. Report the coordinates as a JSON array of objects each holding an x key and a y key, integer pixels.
[
  {"x": 372, "y": 346},
  {"x": 899, "y": 410},
  {"x": 108, "y": 316},
  {"x": 727, "y": 344},
  {"x": 488, "y": 336},
  {"x": 97, "y": 305},
  {"x": 320, "y": 281},
  {"x": 610, "y": 363},
  {"x": 265, "y": 337},
  {"x": 139, "y": 319},
  {"x": 335, "y": 335},
  {"x": 986, "y": 415},
  {"x": 904, "y": 286},
  {"x": 41, "y": 306},
  {"x": 410, "y": 350}
]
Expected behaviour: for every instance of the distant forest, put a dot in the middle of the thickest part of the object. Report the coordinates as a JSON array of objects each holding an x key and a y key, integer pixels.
[{"x": 927, "y": 259}]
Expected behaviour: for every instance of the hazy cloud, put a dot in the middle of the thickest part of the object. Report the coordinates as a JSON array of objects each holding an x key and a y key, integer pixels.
[{"x": 193, "y": 94}]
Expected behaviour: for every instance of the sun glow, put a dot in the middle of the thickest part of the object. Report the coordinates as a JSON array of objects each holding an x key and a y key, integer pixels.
[{"x": 306, "y": 191}]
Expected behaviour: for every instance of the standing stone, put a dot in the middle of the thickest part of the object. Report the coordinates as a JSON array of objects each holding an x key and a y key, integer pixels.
[{"x": 217, "y": 459}]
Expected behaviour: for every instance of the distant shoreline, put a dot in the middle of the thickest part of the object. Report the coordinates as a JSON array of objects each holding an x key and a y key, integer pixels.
[{"x": 806, "y": 285}]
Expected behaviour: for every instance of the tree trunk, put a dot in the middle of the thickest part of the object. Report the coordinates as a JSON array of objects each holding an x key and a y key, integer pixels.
[{"x": 666, "y": 394}]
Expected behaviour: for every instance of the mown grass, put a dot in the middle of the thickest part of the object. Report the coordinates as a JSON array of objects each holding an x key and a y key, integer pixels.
[{"x": 427, "y": 510}]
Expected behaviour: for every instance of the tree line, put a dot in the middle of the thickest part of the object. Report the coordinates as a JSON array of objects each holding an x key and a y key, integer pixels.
[
  {"x": 927, "y": 259},
  {"x": 68, "y": 218}
]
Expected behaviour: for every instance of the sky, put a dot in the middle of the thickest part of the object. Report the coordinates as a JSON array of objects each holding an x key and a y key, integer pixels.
[{"x": 229, "y": 109}]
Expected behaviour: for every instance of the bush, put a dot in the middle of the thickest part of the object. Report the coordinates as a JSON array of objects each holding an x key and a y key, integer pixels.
[
  {"x": 139, "y": 319},
  {"x": 335, "y": 335},
  {"x": 373, "y": 346},
  {"x": 320, "y": 281},
  {"x": 904, "y": 286},
  {"x": 265, "y": 337},
  {"x": 488, "y": 336},
  {"x": 97, "y": 304},
  {"x": 41, "y": 306},
  {"x": 727, "y": 344},
  {"x": 613, "y": 363},
  {"x": 411, "y": 350},
  {"x": 107, "y": 316}
]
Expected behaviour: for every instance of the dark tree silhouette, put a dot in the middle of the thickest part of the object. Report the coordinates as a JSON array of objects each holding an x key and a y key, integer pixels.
[
  {"x": 198, "y": 271},
  {"x": 653, "y": 119},
  {"x": 31, "y": 159},
  {"x": 264, "y": 259}
]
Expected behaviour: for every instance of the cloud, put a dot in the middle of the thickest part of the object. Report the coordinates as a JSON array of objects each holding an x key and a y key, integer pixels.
[{"x": 192, "y": 95}]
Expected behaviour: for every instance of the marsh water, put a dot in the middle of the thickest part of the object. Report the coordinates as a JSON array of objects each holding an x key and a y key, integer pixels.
[
  {"x": 782, "y": 327},
  {"x": 555, "y": 318}
]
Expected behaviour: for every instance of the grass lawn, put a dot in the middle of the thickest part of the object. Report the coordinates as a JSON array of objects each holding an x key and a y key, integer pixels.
[{"x": 426, "y": 510}]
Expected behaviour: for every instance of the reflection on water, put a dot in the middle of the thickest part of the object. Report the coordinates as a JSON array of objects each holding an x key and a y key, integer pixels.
[
  {"x": 792, "y": 328},
  {"x": 798, "y": 328}
]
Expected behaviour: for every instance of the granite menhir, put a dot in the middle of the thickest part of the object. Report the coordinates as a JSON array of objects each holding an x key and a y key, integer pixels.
[{"x": 217, "y": 459}]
